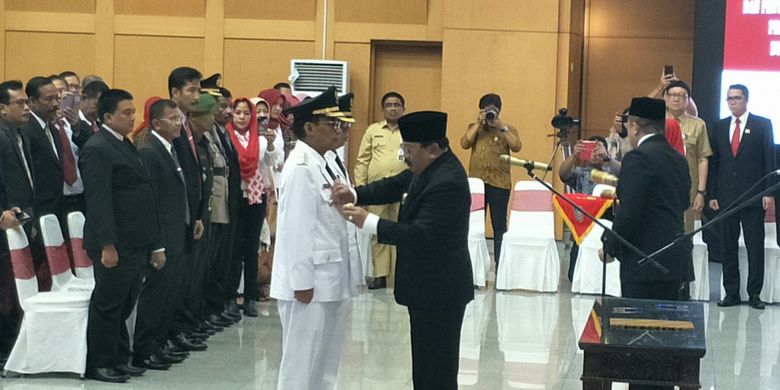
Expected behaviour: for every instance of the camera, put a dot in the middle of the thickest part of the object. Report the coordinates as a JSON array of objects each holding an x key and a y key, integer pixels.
[
  {"x": 491, "y": 114},
  {"x": 624, "y": 118},
  {"x": 563, "y": 121}
]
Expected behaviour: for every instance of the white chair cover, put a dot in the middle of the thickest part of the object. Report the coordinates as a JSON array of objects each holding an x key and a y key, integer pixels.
[
  {"x": 59, "y": 261},
  {"x": 700, "y": 287},
  {"x": 478, "y": 250},
  {"x": 529, "y": 255},
  {"x": 771, "y": 257},
  {"x": 82, "y": 263},
  {"x": 53, "y": 334},
  {"x": 588, "y": 269}
]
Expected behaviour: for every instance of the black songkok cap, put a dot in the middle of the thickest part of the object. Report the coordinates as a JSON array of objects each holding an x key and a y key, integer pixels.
[
  {"x": 423, "y": 126},
  {"x": 648, "y": 108},
  {"x": 324, "y": 104},
  {"x": 211, "y": 84}
]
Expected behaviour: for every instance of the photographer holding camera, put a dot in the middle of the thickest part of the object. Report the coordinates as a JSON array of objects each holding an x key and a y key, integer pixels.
[{"x": 488, "y": 138}]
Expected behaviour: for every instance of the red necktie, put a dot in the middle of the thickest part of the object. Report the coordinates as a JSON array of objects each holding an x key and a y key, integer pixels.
[
  {"x": 95, "y": 127},
  {"x": 66, "y": 155},
  {"x": 735, "y": 139},
  {"x": 190, "y": 139}
]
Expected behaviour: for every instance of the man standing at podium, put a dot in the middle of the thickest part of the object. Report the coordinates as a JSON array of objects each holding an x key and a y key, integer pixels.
[{"x": 653, "y": 195}]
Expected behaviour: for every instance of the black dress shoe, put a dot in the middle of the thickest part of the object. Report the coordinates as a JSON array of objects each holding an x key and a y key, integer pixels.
[
  {"x": 173, "y": 350},
  {"x": 131, "y": 370},
  {"x": 250, "y": 308},
  {"x": 219, "y": 320},
  {"x": 182, "y": 342},
  {"x": 193, "y": 334},
  {"x": 170, "y": 358},
  {"x": 380, "y": 282},
  {"x": 231, "y": 307},
  {"x": 229, "y": 317},
  {"x": 756, "y": 303},
  {"x": 730, "y": 301},
  {"x": 106, "y": 375},
  {"x": 204, "y": 327},
  {"x": 153, "y": 362},
  {"x": 216, "y": 327}
]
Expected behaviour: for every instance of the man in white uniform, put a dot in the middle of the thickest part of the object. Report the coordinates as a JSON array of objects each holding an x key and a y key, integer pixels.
[{"x": 311, "y": 277}]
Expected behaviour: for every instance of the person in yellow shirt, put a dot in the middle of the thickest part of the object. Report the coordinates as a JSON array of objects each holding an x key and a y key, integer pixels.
[
  {"x": 377, "y": 159},
  {"x": 488, "y": 138}
]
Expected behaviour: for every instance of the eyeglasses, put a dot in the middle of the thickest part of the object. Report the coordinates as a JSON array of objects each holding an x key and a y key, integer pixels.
[
  {"x": 734, "y": 98},
  {"x": 21, "y": 102},
  {"x": 406, "y": 148},
  {"x": 332, "y": 124},
  {"x": 677, "y": 95}
]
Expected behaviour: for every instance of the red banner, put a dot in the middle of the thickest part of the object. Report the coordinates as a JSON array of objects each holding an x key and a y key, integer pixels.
[{"x": 579, "y": 224}]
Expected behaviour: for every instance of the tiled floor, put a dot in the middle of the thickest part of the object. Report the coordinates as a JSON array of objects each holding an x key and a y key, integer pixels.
[{"x": 510, "y": 340}]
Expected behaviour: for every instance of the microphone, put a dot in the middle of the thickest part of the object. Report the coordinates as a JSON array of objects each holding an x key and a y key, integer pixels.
[
  {"x": 525, "y": 163},
  {"x": 601, "y": 177}
]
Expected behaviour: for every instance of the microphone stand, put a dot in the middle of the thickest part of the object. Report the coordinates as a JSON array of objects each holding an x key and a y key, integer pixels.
[
  {"x": 645, "y": 257},
  {"x": 728, "y": 212}
]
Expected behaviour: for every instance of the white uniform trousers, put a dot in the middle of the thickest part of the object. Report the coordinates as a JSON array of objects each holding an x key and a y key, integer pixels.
[{"x": 312, "y": 341}]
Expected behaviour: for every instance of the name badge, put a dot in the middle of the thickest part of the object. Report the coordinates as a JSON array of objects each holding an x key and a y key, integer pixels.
[{"x": 747, "y": 131}]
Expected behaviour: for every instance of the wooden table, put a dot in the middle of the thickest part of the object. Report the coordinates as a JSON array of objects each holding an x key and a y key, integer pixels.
[{"x": 646, "y": 356}]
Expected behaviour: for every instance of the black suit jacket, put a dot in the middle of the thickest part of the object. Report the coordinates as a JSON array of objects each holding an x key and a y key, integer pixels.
[
  {"x": 171, "y": 195},
  {"x": 433, "y": 268},
  {"x": 730, "y": 176},
  {"x": 653, "y": 193},
  {"x": 48, "y": 177},
  {"x": 19, "y": 191},
  {"x": 81, "y": 133},
  {"x": 192, "y": 174},
  {"x": 121, "y": 201}
]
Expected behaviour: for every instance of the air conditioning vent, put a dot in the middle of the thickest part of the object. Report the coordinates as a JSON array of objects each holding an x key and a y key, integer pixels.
[{"x": 314, "y": 76}]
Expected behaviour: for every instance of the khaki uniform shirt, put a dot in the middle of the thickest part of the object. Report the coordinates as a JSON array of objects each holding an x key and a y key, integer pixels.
[
  {"x": 378, "y": 156},
  {"x": 697, "y": 146},
  {"x": 218, "y": 203}
]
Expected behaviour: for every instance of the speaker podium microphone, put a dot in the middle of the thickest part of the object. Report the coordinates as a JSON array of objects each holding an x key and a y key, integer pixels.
[{"x": 529, "y": 164}]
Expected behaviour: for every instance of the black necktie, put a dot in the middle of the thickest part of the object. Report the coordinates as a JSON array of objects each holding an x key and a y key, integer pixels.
[
  {"x": 330, "y": 172},
  {"x": 341, "y": 166},
  {"x": 179, "y": 172}
]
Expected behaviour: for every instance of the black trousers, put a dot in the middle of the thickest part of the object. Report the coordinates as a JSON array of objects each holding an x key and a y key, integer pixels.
[
  {"x": 199, "y": 266},
  {"x": 183, "y": 320},
  {"x": 667, "y": 291},
  {"x": 250, "y": 222},
  {"x": 752, "y": 221},
  {"x": 435, "y": 347},
  {"x": 214, "y": 287},
  {"x": 156, "y": 305},
  {"x": 115, "y": 294},
  {"x": 497, "y": 200}
]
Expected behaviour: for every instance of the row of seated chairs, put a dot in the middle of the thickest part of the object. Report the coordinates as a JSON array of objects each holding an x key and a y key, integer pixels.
[
  {"x": 53, "y": 333},
  {"x": 530, "y": 259}
]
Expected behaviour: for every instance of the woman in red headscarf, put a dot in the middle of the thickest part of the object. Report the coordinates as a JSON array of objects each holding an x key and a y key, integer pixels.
[
  {"x": 254, "y": 151},
  {"x": 142, "y": 131}
]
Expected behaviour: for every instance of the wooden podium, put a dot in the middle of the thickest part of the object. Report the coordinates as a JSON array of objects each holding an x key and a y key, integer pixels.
[{"x": 643, "y": 342}]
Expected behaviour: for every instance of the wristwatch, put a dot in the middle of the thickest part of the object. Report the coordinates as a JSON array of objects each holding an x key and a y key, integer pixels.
[{"x": 702, "y": 192}]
